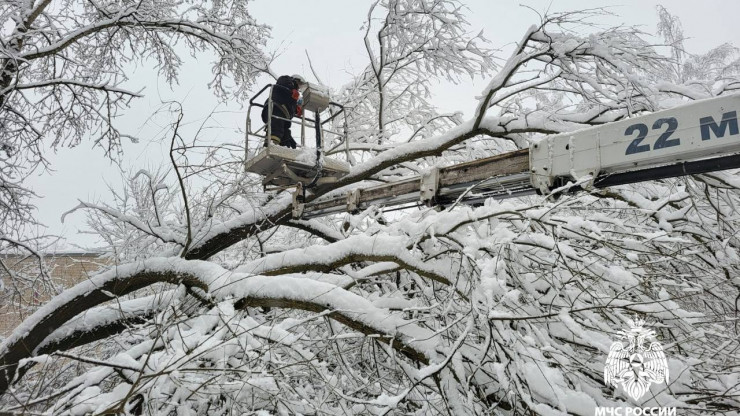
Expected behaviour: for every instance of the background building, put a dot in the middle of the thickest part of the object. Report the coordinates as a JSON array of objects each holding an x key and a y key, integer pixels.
[{"x": 34, "y": 283}]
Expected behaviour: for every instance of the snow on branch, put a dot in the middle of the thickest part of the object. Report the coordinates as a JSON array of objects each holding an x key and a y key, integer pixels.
[
  {"x": 103, "y": 321},
  {"x": 160, "y": 231},
  {"x": 246, "y": 290},
  {"x": 352, "y": 250}
]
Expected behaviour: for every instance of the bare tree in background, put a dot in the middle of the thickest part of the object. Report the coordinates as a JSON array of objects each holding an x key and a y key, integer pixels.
[
  {"x": 63, "y": 79},
  {"x": 714, "y": 69},
  {"x": 506, "y": 308}
]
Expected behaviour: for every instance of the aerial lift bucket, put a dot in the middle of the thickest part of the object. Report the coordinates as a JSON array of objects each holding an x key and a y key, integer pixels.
[{"x": 283, "y": 167}]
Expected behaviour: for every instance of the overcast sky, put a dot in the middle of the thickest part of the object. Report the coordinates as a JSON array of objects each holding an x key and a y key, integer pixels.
[{"x": 329, "y": 30}]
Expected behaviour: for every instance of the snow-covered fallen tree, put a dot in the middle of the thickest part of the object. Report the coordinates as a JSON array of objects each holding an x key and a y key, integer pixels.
[{"x": 227, "y": 305}]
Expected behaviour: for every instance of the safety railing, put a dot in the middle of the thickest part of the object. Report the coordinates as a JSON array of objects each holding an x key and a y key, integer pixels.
[{"x": 265, "y": 131}]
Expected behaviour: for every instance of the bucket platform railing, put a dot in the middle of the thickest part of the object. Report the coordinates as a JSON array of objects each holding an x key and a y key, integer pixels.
[{"x": 283, "y": 167}]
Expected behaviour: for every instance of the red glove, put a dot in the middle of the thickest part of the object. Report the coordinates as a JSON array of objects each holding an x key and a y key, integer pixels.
[
  {"x": 298, "y": 111},
  {"x": 296, "y": 95}
]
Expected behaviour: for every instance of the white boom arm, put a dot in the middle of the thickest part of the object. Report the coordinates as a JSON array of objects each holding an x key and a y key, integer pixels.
[
  {"x": 699, "y": 137},
  {"x": 699, "y": 130}
]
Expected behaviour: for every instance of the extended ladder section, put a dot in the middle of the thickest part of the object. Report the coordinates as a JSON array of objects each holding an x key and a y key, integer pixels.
[
  {"x": 700, "y": 137},
  {"x": 498, "y": 176}
]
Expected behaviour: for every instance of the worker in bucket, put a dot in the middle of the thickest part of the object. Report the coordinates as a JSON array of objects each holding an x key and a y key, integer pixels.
[{"x": 286, "y": 104}]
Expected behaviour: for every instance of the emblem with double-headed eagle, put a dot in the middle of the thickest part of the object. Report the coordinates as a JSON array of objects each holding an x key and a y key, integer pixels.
[{"x": 636, "y": 365}]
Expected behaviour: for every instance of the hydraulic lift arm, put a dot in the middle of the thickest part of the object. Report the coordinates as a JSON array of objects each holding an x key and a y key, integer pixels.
[
  {"x": 699, "y": 137},
  {"x": 693, "y": 138}
]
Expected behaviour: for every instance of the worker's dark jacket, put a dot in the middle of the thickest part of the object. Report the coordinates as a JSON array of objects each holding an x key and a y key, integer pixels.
[{"x": 283, "y": 105}]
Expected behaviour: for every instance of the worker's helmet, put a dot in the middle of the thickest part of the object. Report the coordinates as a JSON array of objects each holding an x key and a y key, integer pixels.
[{"x": 299, "y": 80}]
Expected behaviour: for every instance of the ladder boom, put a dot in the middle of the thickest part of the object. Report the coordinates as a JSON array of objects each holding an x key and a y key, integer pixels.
[
  {"x": 699, "y": 137},
  {"x": 699, "y": 130}
]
